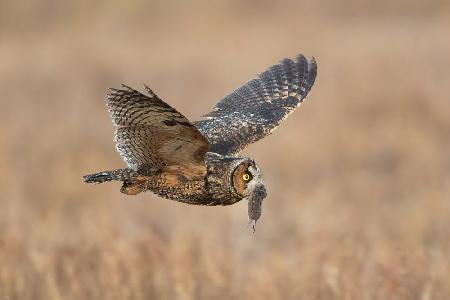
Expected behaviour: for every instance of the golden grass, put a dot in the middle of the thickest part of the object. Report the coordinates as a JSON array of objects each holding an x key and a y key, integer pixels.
[{"x": 358, "y": 178}]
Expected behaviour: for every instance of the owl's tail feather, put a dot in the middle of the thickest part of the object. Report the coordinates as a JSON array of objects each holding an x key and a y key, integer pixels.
[{"x": 126, "y": 175}]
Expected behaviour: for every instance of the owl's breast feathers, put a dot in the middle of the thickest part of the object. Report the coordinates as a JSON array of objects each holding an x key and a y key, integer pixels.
[{"x": 214, "y": 188}]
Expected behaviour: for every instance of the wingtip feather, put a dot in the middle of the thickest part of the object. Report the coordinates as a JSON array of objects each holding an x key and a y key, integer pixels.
[
  {"x": 149, "y": 90},
  {"x": 312, "y": 71}
]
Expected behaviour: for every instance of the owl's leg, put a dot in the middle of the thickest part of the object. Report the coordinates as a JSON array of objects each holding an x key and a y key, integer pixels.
[
  {"x": 133, "y": 187},
  {"x": 133, "y": 183}
]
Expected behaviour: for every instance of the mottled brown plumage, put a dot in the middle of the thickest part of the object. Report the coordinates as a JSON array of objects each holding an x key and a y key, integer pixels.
[{"x": 196, "y": 163}]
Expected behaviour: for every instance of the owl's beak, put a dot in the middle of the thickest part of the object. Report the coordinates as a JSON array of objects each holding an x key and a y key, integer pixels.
[{"x": 254, "y": 204}]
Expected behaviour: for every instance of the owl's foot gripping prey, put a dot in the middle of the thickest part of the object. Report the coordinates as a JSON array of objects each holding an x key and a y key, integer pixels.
[{"x": 198, "y": 162}]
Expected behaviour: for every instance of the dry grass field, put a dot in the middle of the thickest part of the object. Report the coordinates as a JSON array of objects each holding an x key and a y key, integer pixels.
[{"x": 358, "y": 178}]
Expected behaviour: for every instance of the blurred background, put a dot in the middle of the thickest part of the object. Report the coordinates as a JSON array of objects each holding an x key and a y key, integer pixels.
[{"x": 358, "y": 178}]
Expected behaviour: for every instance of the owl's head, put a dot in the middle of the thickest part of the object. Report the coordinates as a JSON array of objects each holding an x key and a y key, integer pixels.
[{"x": 248, "y": 184}]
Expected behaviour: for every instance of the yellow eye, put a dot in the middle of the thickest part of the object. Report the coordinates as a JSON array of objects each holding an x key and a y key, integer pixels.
[{"x": 246, "y": 176}]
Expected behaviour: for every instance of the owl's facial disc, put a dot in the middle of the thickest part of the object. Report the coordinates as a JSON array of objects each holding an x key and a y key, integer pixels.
[{"x": 248, "y": 183}]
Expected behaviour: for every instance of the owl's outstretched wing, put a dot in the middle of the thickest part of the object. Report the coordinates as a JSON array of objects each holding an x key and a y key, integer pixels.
[
  {"x": 151, "y": 136},
  {"x": 253, "y": 111}
]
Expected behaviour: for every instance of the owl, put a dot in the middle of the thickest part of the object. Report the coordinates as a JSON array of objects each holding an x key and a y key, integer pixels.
[{"x": 198, "y": 162}]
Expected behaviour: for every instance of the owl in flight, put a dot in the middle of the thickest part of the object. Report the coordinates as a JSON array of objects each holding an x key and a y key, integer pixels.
[{"x": 197, "y": 162}]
